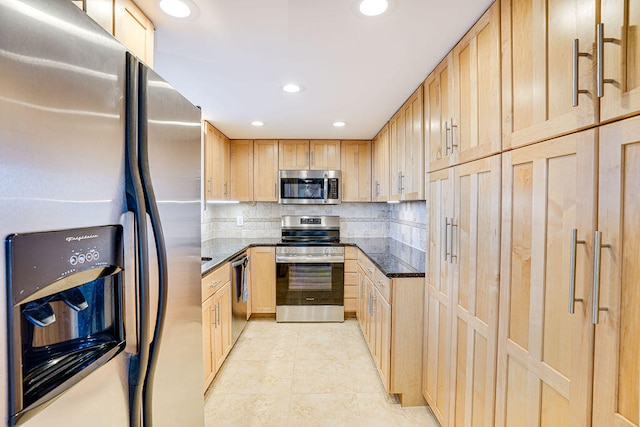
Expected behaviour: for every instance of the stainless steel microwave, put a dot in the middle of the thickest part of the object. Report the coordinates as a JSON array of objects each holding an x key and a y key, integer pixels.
[{"x": 308, "y": 187}]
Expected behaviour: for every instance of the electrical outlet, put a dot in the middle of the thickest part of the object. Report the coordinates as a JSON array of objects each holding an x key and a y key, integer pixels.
[{"x": 240, "y": 221}]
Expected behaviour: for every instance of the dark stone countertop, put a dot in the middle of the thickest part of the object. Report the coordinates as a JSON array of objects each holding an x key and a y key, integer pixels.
[{"x": 392, "y": 257}]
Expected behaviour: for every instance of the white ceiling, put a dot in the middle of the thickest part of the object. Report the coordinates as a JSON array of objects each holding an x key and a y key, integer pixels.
[{"x": 233, "y": 56}]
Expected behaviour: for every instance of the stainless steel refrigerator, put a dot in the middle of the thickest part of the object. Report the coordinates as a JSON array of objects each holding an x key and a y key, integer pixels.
[{"x": 100, "y": 218}]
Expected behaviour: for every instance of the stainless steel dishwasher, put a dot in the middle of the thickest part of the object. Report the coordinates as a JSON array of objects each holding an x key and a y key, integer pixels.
[{"x": 239, "y": 295}]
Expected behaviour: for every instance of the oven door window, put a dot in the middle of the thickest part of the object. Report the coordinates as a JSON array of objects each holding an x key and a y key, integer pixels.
[
  {"x": 310, "y": 284},
  {"x": 302, "y": 188}
]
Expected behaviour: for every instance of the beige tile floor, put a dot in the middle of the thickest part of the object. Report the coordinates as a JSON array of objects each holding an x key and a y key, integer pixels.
[{"x": 304, "y": 375}]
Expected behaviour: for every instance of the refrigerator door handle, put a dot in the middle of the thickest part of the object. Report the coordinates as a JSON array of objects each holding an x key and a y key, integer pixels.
[
  {"x": 160, "y": 246},
  {"x": 136, "y": 205}
]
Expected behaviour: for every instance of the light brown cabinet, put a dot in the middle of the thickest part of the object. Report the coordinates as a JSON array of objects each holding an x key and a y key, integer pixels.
[
  {"x": 134, "y": 30},
  {"x": 355, "y": 165},
  {"x": 390, "y": 314},
  {"x": 217, "y": 164},
  {"x": 407, "y": 151},
  {"x": 241, "y": 170},
  {"x": 216, "y": 320},
  {"x": 350, "y": 280},
  {"x": 262, "y": 264},
  {"x": 462, "y": 292},
  {"x": 380, "y": 166},
  {"x": 462, "y": 98},
  {"x": 293, "y": 154},
  {"x": 265, "y": 170},
  {"x": 324, "y": 154}
]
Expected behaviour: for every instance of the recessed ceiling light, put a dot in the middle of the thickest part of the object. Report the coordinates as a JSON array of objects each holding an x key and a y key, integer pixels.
[
  {"x": 257, "y": 123},
  {"x": 339, "y": 124},
  {"x": 175, "y": 8},
  {"x": 291, "y": 88},
  {"x": 373, "y": 7}
]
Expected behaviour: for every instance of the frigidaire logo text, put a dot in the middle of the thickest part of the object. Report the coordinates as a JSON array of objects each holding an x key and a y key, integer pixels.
[{"x": 78, "y": 238}]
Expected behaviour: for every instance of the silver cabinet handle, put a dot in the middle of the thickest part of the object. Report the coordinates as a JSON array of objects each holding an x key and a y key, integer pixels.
[
  {"x": 452, "y": 128},
  {"x": 595, "y": 308},
  {"x": 401, "y": 183},
  {"x": 446, "y": 229},
  {"x": 446, "y": 138},
  {"x": 377, "y": 188},
  {"x": 572, "y": 273},
  {"x": 215, "y": 316},
  {"x": 214, "y": 284},
  {"x": 599, "y": 60},
  {"x": 218, "y": 313},
  {"x": 576, "y": 71},
  {"x": 452, "y": 255}
]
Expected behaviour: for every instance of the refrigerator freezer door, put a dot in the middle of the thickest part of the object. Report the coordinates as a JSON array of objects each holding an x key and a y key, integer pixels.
[
  {"x": 173, "y": 141},
  {"x": 61, "y": 162}
]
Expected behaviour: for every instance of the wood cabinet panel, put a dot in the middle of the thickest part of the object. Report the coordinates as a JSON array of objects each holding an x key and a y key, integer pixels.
[
  {"x": 134, "y": 30},
  {"x": 380, "y": 166},
  {"x": 293, "y": 154},
  {"x": 438, "y": 110},
  {"x": 207, "y": 341},
  {"x": 217, "y": 164},
  {"x": 324, "y": 154},
  {"x": 356, "y": 171},
  {"x": 265, "y": 171},
  {"x": 222, "y": 325},
  {"x": 262, "y": 264},
  {"x": 241, "y": 170}
]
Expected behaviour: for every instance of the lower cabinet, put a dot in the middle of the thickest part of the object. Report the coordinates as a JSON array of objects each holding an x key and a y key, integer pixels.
[
  {"x": 350, "y": 281},
  {"x": 390, "y": 313},
  {"x": 216, "y": 321},
  {"x": 262, "y": 267}
]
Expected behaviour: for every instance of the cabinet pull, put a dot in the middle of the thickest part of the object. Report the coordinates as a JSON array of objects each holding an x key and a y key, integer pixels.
[
  {"x": 576, "y": 71},
  {"x": 600, "y": 41},
  {"x": 451, "y": 254},
  {"x": 401, "y": 183},
  {"x": 215, "y": 316},
  {"x": 572, "y": 273},
  {"x": 214, "y": 284},
  {"x": 377, "y": 188},
  {"x": 210, "y": 189},
  {"x": 446, "y": 228},
  {"x": 596, "y": 309},
  {"x": 218, "y": 313},
  {"x": 446, "y": 138},
  {"x": 452, "y": 128}
]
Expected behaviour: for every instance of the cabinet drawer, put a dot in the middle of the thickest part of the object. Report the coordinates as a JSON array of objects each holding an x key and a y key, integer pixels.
[
  {"x": 350, "y": 252},
  {"x": 350, "y": 266},
  {"x": 383, "y": 284},
  {"x": 350, "y": 279},
  {"x": 212, "y": 281},
  {"x": 350, "y": 292},
  {"x": 350, "y": 304},
  {"x": 366, "y": 264}
]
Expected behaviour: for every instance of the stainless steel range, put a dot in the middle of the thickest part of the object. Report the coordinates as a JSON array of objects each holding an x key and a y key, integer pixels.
[{"x": 310, "y": 270}]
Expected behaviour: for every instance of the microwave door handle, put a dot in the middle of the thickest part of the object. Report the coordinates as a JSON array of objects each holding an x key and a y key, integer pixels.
[{"x": 326, "y": 189}]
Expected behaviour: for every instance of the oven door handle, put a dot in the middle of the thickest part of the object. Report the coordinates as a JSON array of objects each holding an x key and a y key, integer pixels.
[{"x": 309, "y": 259}]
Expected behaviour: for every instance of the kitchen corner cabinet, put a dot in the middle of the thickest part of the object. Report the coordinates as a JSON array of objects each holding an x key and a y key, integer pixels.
[
  {"x": 390, "y": 315},
  {"x": 462, "y": 98},
  {"x": 262, "y": 266},
  {"x": 241, "y": 170},
  {"x": 407, "y": 151},
  {"x": 324, "y": 154},
  {"x": 355, "y": 165},
  {"x": 265, "y": 170},
  {"x": 462, "y": 292},
  {"x": 134, "y": 30},
  {"x": 380, "y": 166},
  {"x": 216, "y": 320},
  {"x": 217, "y": 164}
]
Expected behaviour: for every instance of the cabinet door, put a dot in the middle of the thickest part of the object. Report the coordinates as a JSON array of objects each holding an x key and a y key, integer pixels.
[
  {"x": 370, "y": 318},
  {"x": 476, "y": 263},
  {"x": 293, "y": 154},
  {"x": 380, "y": 166},
  {"x": 544, "y": 352},
  {"x": 209, "y": 155},
  {"x": 356, "y": 171},
  {"x": 262, "y": 264},
  {"x": 396, "y": 147},
  {"x": 438, "y": 111},
  {"x": 208, "y": 321},
  {"x": 265, "y": 171},
  {"x": 537, "y": 70},
  {"x": 382, "y": 353},
  {"x": 222, "y": 320},
  {"x": 217, "y": 185},
  {"x": 363, "y": 303},
  {"x": 437, "y": 366},
  {"x": 477, "y": 131},
  {"x": 621, "y": 53},
  {"x": 241, "y": 170},
  {"x": 134, "y": 30},
  {"x": 413, "y": 165},
  {"x": 616, "y": 386},
  {"x": 324, "y": 155}
]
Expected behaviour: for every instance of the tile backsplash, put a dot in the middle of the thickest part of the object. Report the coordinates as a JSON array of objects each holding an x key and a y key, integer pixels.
[{"x": 405, "y": 222}]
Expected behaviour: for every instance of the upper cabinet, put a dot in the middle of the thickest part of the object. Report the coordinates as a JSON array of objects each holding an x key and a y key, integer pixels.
[
  {"x": 100, "y": 11},
  {"x": 265, "y": 170},
  {"x": 356, "y": 171},
  {"x": 407, "y": 151},
  {"x": 134, "y": 30},
  {"x": 241, "y": 170},
  {"x": 545, "y": 71},
  {"x": 324, "y": 155},
  {"x": 462, "y": 98},
  {"x": 315, "y": 154},
  {"x": 216, "y": 164},
  {"x": 380, "y": 166}
]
